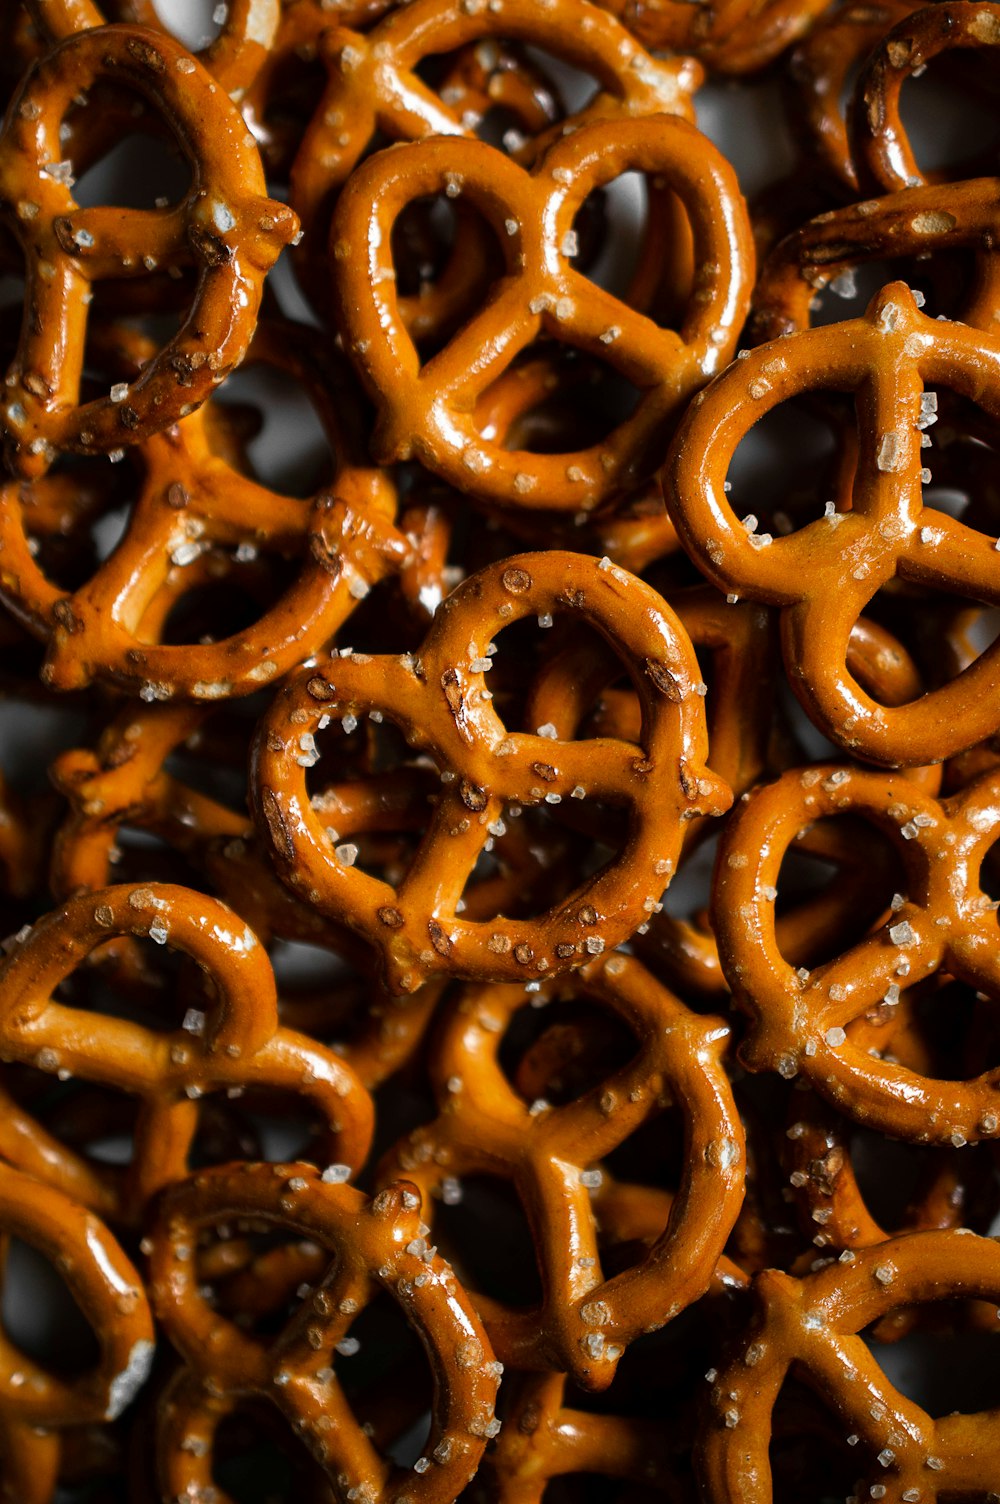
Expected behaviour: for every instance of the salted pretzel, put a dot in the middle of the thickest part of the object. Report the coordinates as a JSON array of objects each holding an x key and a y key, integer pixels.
[
  {"x": 425, "y": 412},
  {"x": 195, "y": 506},
  {"x": 881, "y": 148},
  {"x": 943, "y": 922},
  {"x": 108, "y": 1291},
  {"x": 812, "y": 1325},
  {"x": 373, "y": 86},
  {"x": 824, "y": 575},
  {"x": 234, "y": 58},
  {"x": 372, "y": 1245},
  {"x": 440, "y": 701},
  {"x": 226, "y": 227},
  {"x": 484, "y": 1127},
  {"x": 235, "y": 1042}
]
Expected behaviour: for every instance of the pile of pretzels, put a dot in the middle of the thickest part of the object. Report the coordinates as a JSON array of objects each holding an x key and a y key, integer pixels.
[{"x": 500, "y": 997}]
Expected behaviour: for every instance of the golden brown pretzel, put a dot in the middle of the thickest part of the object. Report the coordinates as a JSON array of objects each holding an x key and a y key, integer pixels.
[
  {"x": 225, "y": 226},
  {"x": 440, "y": 701},
  {"x": 426, "y": 412},
  {"x": 813, "y": 1324},
  {"x": 485, "y": 1127},
  {"x": 825, "y": 574},
  {"x": 195, "y": 506},
  {"x": 943, "y": 921},
  {"x": 373, "y": 87},
  {"x": 234, "y": 1042},
  {"x": 372, "y": 1245}
]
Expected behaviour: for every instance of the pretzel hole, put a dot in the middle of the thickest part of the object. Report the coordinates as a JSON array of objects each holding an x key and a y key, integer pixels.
[
  {"x": 486, "y": 1238},
  {"x": 810, "y": 1460},
  {"x": 125, "y": 153},
  {"x": 446, "y": 257},
  {"x": 40, "y": 1316},
  {"x": 902, "y": 1182},
  {"x": 950, "y": 136},
  {"x": 192, "y": 22},
  {"x": 257, "y": 1458},
  {"x": 387, "y": 1380},
  {"x": 938, "y": 1365},
  {"x": 833, "y": 886},
  {"x": 789, "y": 467},
  {"x": 556, "y": 400},
  {"x": 942, "y": 634},
  {"x": 561, "y": 1052},
  {"x": 212, "y": 760},
  {"x": 281, "y": 1124},
  {"x": 289, "y": 450}
]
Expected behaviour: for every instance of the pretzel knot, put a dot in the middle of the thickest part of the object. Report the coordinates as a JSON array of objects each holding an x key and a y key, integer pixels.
[
  {"x": 811, "y": 1326},
  {"x": 825, "y": 574},
  {"x": 945, "y": 921},
  {"x": 236, "y": 1042},
  {"x": 373, "y": 1245},
  {"x": 226, "y": 227},
  {"x": 427, "y": 411},
  {"x": 440, "y": 701},
  {"x": 485, "y": 1127},
  {"x": 108, "y": 1291}
]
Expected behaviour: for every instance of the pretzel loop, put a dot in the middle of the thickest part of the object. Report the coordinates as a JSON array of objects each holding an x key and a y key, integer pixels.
[
  {"x": 108, "y": 1291},
  {"x": 440, "y": 701},
  {"x": 944, "y": 922},
  {"x": 427, "y": 411},
  {"x": 825, "y": 574},
  {"x": 226, "y": 226}
]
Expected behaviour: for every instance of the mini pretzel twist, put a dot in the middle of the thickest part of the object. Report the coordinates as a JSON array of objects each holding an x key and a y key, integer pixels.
[
  {"x": 824, "y": 575},
  {"x": 943, "y": 922},
  {"x": 233, "y": 59},
  {"x": 226, "y": 227},
  {"x": 237, "y": 1043},
  {"x": 881, "y": 147},
  {"x": 426, "y": 411},
  {"x": 373, "y": 1245},
  {"x": 439, "y": 699},
  {"x": 485, "y": 1127},
  {"x": 811, "y": 1325},
  {"x": 108, "y": 1291},
  {"x": 195, "y": 504}
]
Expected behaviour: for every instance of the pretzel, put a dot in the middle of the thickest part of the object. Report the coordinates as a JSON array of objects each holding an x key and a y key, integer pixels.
[
  {"x": 226, "y": 227},
  {"x": 914, "y": 222},
  {"x": 881, "y": 148},
  {"x": 439, "y": 700},
  {"x": 107, "y": 1290},
  {"x": 812, "y": 1324},
  {"x": 824, "y": 575},
  {"x": 373, "y": 1245},
  {"x": 195, "y": 505},
  {"x": 587, "y": 1319},
  {"x": 236, "y": 1043},
  {"x": 944, "y": 921},
  {"x": 425, "y": 412},
  {"x": 233, "y": 59},
  {"x": 373, "y": 86}
]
